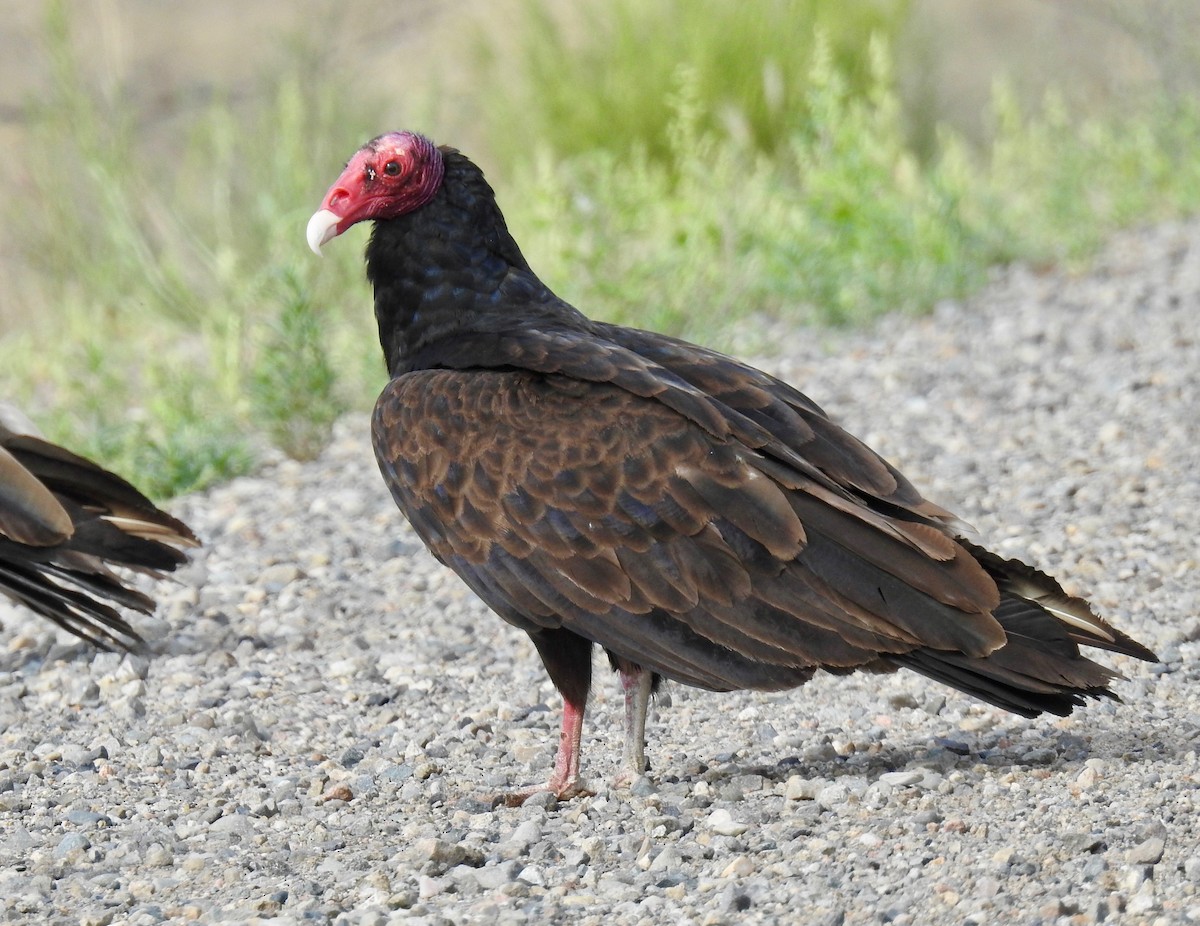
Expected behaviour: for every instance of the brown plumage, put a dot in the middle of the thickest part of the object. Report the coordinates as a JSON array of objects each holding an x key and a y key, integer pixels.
[
  {"x": 697, "y": 518},
  {"x": 64, "y": 524}
]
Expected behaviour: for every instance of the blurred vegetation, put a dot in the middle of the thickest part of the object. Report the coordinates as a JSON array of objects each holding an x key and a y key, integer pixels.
[
  {"x": 843, "y": 222},
  {"x": 186, "y": 330},
  {"x": 600, "y": 76},
  {"x": 186, "y": 319},
  {"x": 1168, "y": 29}
]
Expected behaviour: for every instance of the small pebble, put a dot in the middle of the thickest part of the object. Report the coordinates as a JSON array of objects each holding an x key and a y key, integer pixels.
[
  {"x": 70, "y": 845},
  {"x": 722, "y": 822},
  {"x": 901, "y": 779},
  {"x": 1147, "y": 852}
]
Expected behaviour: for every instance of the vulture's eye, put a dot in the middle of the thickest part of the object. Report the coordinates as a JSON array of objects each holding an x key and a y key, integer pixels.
[{"x": 391, "y": 168}]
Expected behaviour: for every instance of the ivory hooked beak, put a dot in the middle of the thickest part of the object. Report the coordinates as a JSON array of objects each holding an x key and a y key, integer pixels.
[{"x": 321, "y": 227}]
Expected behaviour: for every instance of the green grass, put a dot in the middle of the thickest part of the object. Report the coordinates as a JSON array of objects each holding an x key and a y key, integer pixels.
[
  {"x": 1059, "y": 185},
  {"x": 597, "y": 76},
  {"x": 843, "y": 223},
  {"x": 178, "y": 327}
]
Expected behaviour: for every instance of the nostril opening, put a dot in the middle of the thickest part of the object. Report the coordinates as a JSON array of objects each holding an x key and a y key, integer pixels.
[{"x": 336, "y": 198}]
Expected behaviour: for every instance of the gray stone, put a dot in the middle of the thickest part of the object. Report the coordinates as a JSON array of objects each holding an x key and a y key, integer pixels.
[
  {"x": 901, "y": 779},
  {"x": 722, "y": 822},
  {"x": 70, "y": 845},
  {"x": 1147, "y": 852}
]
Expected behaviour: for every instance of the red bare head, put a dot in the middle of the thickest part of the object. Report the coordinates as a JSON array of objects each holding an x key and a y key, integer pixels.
[{"x": 388, "y": 176}]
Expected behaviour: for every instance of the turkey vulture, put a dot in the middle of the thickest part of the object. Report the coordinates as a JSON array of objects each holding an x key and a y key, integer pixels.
[
  {"x": 700, "y": 520},
  {"x": 64, "y": 522}
]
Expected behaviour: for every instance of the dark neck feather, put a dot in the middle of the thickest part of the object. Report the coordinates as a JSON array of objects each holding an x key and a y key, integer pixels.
[{"x": 449, "y": 267}]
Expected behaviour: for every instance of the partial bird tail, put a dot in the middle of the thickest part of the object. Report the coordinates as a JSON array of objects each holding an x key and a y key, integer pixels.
[
  {"x": 1039, "y": 668},
  {"x": 64, "y": 523}
]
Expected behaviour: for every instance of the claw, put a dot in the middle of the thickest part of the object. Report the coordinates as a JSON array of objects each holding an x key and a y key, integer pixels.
[{"x": 517, "y": 798}]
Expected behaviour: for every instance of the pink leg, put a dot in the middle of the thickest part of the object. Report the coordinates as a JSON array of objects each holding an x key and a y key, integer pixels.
[
  {"x": 566, "y": 763},
  {"x": 564, "y": 782},
  {"x": 636, "y": 683}
]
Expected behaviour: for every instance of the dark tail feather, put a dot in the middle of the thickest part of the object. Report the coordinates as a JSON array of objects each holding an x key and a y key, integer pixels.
[
  {"x": 76, "y": 611},
  {"x": 1018, "y": 580},
  {"x": 1039, "y": 668}
]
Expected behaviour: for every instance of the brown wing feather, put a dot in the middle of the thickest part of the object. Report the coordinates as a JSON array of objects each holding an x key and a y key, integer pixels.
[
  {"x": 626, "y": 522},
  {"x": 29, "y": 512},
  {"x": 792, "y": 418}
]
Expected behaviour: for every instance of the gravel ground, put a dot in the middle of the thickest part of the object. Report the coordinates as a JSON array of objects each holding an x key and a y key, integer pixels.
[{"x": 327, "y": 705}]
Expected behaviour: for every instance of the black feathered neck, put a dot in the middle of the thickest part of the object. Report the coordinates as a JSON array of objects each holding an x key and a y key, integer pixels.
[{"x": 451, "y": 267}]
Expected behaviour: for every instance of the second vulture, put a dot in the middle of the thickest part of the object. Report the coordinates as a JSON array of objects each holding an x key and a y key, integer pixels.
[
  {"x": 66, "y": 526},
  {"x": 698, "y": 519}
]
